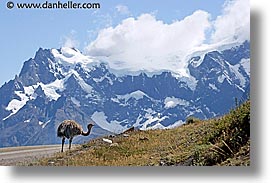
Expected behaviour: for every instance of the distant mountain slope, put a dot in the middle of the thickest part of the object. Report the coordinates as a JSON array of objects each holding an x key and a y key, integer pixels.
[{"x": 60, "y": 84}]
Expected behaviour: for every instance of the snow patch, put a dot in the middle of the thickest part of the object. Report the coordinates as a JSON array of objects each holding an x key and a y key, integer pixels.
[
  {"x": 221, "y": 78},
  {"x": 15, "y": 105},
  {"x": 196, "y": 61},
  {"x": 190, "y": 81},
  {"x": 101, "y": 120},
  {"x": 115, "y": 100},
  {"x": 158, "y": 125},
  {"x": 235, "y": 69},
  {"x": 75, "y": 101},
  {"x": 87, "y": 88},
  {"x": 245, "y": 63},
  {"x": 99, "y": 80},
  {"x": 71, "y": 56},
  {"x": 136, "y": 95},
  {"x": 213, "y": 86},
  {"x": 29, "y": 90},
  {"x": 27, "y": 121},
  {"x": 171, "y": 102},
  {"x": 151, "y": 119},
  {"x": 50, "y": 89},
  {"x": 138, "y": 120},
  {"x": 43, "y": 124}
]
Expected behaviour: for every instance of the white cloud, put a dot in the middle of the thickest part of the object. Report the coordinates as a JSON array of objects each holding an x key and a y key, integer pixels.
[
  {"x": 149, "y": 44},
  {"x": 234, "y": 23},
  {"x": 69, "y": 40},
  {"x": 122, "y": 9}
]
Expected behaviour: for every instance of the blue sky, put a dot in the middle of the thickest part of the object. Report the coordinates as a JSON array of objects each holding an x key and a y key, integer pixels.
[{"x": 22, "y": 32}]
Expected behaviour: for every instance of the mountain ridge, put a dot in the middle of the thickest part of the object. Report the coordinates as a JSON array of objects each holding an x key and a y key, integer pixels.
[{"x": 53, "y": 86}]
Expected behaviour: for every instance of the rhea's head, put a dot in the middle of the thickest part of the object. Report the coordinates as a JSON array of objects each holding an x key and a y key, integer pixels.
[{"x": 90, "y": 126}]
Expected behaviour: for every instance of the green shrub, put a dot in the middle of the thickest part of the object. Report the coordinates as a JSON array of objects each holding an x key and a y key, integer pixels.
[{"x": 191, "y": 120}]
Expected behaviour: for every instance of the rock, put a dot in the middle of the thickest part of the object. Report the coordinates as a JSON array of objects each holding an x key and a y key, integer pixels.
[
  {"x": 161, "y": 163},
  {"x": 114, "y": 145},
  {"x": 107, "y": 140},
  {"x": 143, "y": 138},
  {"x": 112, "y": 136},
  {"x": 129, "y": 130},
  {"x": 51, "y": 163}
]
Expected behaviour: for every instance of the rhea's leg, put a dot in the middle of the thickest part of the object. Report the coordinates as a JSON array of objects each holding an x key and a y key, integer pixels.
[
  {"x": 70, "y": 142},
  {"x": 63, "y": 141}
]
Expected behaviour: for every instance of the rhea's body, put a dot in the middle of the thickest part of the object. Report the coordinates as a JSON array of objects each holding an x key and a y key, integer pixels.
[{"x": 69, "y": 129}]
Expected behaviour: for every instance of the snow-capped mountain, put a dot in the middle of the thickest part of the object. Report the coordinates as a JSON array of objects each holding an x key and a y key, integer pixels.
[{"x": 60, "y": 84}]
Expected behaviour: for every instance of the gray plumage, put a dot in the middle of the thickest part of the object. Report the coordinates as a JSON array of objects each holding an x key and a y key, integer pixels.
[{"x": 69, "y": 129}]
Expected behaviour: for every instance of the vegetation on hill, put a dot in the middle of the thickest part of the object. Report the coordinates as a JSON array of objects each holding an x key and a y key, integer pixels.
[{"x": 219, "y": 141}]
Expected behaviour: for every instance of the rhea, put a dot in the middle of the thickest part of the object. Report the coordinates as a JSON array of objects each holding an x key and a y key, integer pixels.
[{"x": 69, "y": 129}]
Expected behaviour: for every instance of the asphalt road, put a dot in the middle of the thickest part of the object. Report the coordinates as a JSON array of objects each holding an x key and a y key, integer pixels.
[{"x": 23, "y": 155}]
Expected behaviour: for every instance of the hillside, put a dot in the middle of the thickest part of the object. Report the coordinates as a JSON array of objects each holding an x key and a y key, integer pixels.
[{"x": 219, "y": 141}]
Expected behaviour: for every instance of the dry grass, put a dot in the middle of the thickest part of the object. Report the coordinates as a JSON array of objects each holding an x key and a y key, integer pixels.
[{"x": 221, "y": 141}]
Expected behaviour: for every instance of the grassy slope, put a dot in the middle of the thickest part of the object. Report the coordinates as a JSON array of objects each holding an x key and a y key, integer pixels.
[{"x": 220, "y": 141}]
